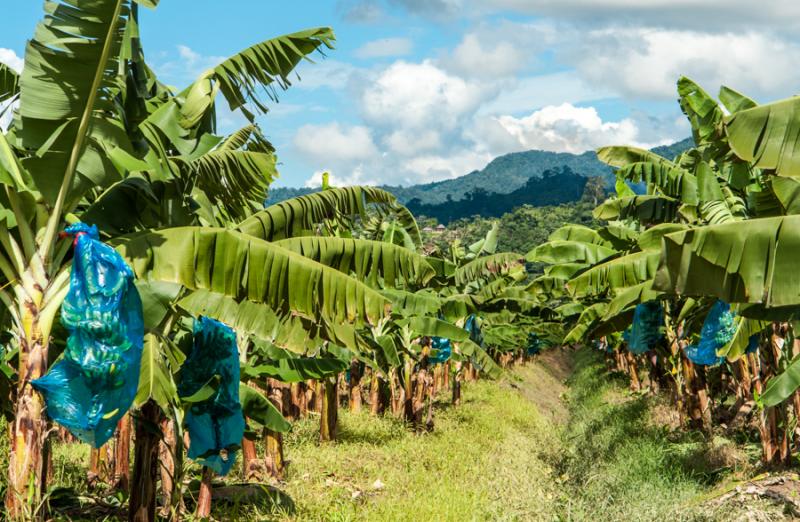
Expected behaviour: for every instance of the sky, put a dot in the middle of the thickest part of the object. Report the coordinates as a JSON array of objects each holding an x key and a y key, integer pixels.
[{"x": 424, "y": 90}]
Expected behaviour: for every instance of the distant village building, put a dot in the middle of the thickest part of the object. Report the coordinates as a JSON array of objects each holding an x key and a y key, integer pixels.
[
  {"x": 441, "y": 228},
  {"x": 427, "y": 229}
]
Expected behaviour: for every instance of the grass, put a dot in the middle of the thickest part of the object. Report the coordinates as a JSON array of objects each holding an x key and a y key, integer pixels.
[
  {"x": 483, "y": 461},
  {"x": 618, "y": 463},
  {"x": 526, "y": 448}
]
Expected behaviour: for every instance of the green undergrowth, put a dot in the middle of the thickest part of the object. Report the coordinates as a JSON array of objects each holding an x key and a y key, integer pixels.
[
  {"x": 528, "y": 447},
  {"x": 483, "y": 461},
  {"x": 621, "y": 463}
]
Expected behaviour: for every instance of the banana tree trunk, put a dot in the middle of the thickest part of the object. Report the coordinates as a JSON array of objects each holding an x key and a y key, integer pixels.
[
  {"x": 633, "y": 371},
  {"x": 122, "y": 454},
  {"x": 98, "y": 466},
  {"x": 376, "y": 402},
  {"x": 774, "y": 420},
  {"x": 142, "y": 504},
  {"x": 203, "y": 510},
  {"x": 250, "y": 467},
  {"x": 274, "y": 462},
  {"x": 397, "y": 393},
  {"x": 456, "y": 384},
  {"x": 330, "y": 409},
  {"x": 299, "y": 404},
  {"x": 170, "y": 455},
  {"x": 354, "y": 391},
  {"x": 27, "y": 469}
]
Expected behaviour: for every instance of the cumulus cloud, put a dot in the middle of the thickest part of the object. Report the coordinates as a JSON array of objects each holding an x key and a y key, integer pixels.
[
  {"x": 705, "y": 15},
  {"x": 186, "y": 66},
  {"x": 646, "y": 62},
  {"x": 499, "y": 50},
  {"x": 335, "y": 144},
  {"x": 10, "y": 58},
  {"x": 331, "y": 74},
  {"x": 354, "y": 177},
  {"x": 566, "y": 128},
  {"x": 384, "y": 47},
  {"x": 410, "y": 101},
  {"x": 360, "y": 11}
]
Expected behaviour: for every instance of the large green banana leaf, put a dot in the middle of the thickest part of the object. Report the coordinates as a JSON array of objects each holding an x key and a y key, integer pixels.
[
  {"x": 243, "y": 267},
  {"x": 646, "y": 209},
  {"x": 782, "y": 386},
  {"x": 67, "y": 117},
  {"x": 299, "y": 216},
  {"x": 612, "y": 276},
  {"x": 366, "y": 260},
  {"x": 559, "y": 252},
  {"x": 588, "y": 319},
  {"x": 621, "y": 156},
  {"x": 489, "y": 267},
  {"x": 579, "y": 233},
  {"x": 296, "y": 369},
  {"x": 288, "y": 331},
  {"x": 751, "y": 261},
  {"x": 9, "y": 83},
  {"x": 480, "y": 359},
  {"x": 734, "y": 101},
  {"x": 766, "y": 136},
  {"x": 256, "y": 407}
]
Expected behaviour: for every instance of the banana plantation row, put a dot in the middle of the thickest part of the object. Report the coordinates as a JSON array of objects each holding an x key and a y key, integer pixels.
[
  {"x": 149, "y": 298},
  {"x": 693, "y": 279}
]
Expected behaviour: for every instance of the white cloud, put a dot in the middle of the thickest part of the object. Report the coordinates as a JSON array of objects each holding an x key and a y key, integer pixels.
[
  {"x": 384, "y": 47},
  {"x": 475, "y": 58},
  {"x": 335, "y": 144},
  {"x": 184, "y": 68},
  {"x": 10, "y": 58},
  {"x": 411, "y": 101},
  {"x": 530, "y": 92},
  {"x": 332, "y": 74},
  {"x": 646, "y": 62},
  {"x": 498, "y": 50},
  {"x": 452, "y": 164},
  {"x": 355, "y": 177},
  {"x": 566, "y": 128}
]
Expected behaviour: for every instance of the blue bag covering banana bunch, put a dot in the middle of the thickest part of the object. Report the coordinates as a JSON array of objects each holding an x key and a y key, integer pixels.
[
  {"x": 94, "y": 383},
  {"x": 718, "y": 329},
  {"x": 441, "y": 350},
  {"x": 216, "y": 425},
  {"x": 647, "y": 328}
]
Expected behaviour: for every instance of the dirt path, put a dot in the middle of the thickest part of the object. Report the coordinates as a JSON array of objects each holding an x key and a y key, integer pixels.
[{"x": 544, "y": 383}]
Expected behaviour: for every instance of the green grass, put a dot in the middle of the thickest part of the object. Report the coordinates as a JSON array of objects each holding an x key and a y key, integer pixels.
[
  {"x": 621, "y": 464},
  {"x": 482, "y": 462},
  {"x": 511, "y": 451}
]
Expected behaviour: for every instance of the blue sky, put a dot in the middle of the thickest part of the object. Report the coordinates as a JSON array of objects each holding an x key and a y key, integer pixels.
[{"x": 422, "y": 90}]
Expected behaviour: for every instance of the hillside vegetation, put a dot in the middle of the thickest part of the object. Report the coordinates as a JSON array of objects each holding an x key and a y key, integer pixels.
[{"x": 503, "y": 175}]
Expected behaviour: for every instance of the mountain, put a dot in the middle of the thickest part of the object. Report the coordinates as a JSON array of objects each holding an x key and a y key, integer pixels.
[
  {"x": 502, "y": 175},
  {"x": 554, "y": 187}
]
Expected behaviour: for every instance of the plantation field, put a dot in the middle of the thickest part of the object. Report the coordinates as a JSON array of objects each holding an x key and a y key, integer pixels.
[{"x": 550, "y": 442}]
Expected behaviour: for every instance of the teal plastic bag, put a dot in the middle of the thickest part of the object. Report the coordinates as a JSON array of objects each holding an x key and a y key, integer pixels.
[
  {"x": 647, "y": 328},
  {"x": 95, "y": 381},
  {"x": 216, "y": 425}
]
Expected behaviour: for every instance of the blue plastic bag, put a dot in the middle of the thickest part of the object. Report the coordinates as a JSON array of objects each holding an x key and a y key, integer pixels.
[
  {"x": 93, "y": 385},
  {"x": 441, "y": 350},
  {"x": 718, "y": 329},
  {"x": 216, "y": 425},
  {"x": 647, "y": 328},
  {"x": 534, "y": 344}
]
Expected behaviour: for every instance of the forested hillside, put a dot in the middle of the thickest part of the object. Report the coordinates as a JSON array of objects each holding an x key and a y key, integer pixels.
[{"x": 503, "y": 175}]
